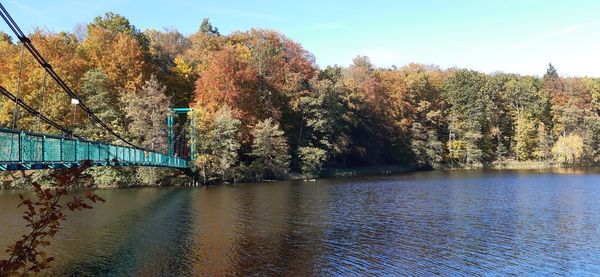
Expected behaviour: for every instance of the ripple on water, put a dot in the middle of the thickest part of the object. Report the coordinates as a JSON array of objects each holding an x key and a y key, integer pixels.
[{"x": 435, "y": 223}]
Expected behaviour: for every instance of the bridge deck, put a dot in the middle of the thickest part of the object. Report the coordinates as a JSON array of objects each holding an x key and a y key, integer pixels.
[{"x": 24, "y": 150}]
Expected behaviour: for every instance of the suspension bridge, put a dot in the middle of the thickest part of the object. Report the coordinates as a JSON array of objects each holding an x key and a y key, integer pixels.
[{"x": 23, "y": 150}]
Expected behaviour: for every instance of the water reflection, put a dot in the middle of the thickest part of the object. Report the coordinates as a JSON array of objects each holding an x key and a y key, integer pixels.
[{"x": 449, "y": 223}]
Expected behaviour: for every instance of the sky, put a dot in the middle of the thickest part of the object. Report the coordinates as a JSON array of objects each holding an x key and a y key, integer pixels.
[{"x": 516, "y": 36}]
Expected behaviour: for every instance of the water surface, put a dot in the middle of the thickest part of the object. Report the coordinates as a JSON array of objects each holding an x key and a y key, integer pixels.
[{"x": 449, "y": 223}]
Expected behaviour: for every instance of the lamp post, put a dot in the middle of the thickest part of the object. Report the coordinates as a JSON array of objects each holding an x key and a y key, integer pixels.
[{"x": 74, "y": 103}]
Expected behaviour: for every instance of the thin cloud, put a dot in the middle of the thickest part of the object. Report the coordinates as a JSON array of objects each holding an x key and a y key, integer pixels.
[
  {"x": 556, "y": 33},
  {"x": 24, "y": 7}
]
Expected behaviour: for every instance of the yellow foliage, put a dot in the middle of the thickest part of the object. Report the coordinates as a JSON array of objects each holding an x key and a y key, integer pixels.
[{"x": 568, "y": 150}]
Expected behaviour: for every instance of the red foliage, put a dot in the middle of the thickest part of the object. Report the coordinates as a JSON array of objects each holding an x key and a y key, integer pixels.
[{"x": 44, "y": 214}]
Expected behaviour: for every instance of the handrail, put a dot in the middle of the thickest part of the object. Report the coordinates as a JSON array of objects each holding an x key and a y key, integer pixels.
[{"x": 26, "y": 150}]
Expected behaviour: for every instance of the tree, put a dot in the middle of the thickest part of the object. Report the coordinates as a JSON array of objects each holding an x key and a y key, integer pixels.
[
  {"x": 270, "y": 150},
  {"x": 471, "y": 95},
  {"x": 118, "y": 55},
  {"x": 225, "y": 130},
  {"x": 207, "y": 28},
  {"x": 591, "y": 138},
  {"x": 568, "y": 150},
  {"x": 324, "y": 118},
  {"x": 216, "y": 141},
  {"x": 99, "y": 96},
  {"x": 312, "y": 160},
  {"x": 525, "y": 136},
  {"x": 229, "y": 80},
  {"x": 544, "y": 143},
  {"x": 551, "y": 72},
  {"x": 116, "y": 23},
  {"x": 148, "y": 109},
  {"x": 425, "y": 145}
]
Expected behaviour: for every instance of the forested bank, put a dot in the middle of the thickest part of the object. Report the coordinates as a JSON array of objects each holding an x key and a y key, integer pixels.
[{"x": 263, "y": 109}]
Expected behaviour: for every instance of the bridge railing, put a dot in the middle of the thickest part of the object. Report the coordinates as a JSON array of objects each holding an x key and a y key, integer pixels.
[{"x": 24, "y": 148}]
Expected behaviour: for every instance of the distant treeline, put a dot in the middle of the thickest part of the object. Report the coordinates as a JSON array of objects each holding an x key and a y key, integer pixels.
[{"x": 263, "y": 109}]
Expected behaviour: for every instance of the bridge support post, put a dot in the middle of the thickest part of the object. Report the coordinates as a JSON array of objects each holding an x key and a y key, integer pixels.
[
  {"x": 21, "y": 146},
  {"x": 43, "y": 148},
  {"x": 60, "y": 148},
  {"x": 171, "y": 140},
  {"x": 76, "y": 154}
]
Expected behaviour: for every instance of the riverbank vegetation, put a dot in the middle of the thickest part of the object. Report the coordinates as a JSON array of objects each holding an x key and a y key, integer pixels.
[{"x": 263, "y": 109}]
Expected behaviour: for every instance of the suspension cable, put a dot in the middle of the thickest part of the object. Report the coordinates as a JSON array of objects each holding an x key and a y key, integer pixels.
[
  {"x": 34, "y": 112},
  {"x": 16, "y": 111},
  {"x": 40, "y": 59},
  {"x": 43, "y": 102}
]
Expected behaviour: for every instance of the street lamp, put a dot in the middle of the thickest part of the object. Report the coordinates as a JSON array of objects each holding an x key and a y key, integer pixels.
[{"x": 74, "y": 103}]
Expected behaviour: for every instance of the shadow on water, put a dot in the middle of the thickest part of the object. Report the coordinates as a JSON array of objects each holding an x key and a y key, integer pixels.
[{"x": 151, "y": 240}]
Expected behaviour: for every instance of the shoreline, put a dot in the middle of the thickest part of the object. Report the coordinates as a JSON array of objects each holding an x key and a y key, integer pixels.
[{"x": 360, "y": 172}]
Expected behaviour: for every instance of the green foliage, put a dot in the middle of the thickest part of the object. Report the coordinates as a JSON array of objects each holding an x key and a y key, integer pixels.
[
  {"x": 215, "y": 138},
  {"x": 312, "y": 160},
  {"x": 325, "y": 117},
  {"x": 207, "y": 28},
  {"x": 150, "y": 176},
  {"x": 426, "y": 147},
  {"x": 551, "y": 72},
  {"x": 270, "y": 150},
  {"x": 112, "y": 176},
  {"x": 591, "y": 138},
  {"x": 470, "y": 95},
  {"x": 116, "y": 23},
  {"x": 99, "y": 96}
]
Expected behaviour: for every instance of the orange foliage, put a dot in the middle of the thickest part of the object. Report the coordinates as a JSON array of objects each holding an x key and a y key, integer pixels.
[{"x": 119, "y": 55}]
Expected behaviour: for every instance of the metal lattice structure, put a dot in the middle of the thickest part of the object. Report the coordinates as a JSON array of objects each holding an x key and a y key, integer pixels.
[{"x": 23, "y": 151}]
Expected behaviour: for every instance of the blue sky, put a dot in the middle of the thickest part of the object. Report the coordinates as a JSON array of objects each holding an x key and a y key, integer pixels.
[{"x": 519, "y": 36}]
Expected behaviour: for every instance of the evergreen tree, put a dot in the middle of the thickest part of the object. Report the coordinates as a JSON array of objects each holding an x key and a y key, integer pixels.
[
  {"x": 551, "y": 72},
  {"x": 271, "y": 150},
  {"x": 207, "y": 28}
]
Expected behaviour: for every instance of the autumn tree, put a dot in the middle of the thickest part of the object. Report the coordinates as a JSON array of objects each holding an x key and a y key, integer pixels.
[
  {"x": 525, "y": 136},
  {"x": 568, "y": 149},
  {"x": 426, "y": 146},
  {"x": 325, "y": 123},
  {"x": 469, "y": 101},
  {"x": 115, "y": 48},
  {"x": 147, "y": 110},
  {"x": 99, "y": 96},
  {"x": 543, "y": 144},
  {"x": 270, "y": 150},
  {"x": 215, "y": 138}
]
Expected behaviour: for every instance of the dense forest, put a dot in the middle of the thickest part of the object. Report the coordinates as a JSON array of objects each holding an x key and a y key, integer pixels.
[{"x": 263, "y": 109}]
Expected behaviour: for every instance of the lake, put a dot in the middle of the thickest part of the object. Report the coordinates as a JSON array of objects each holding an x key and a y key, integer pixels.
[{"x": 426, "y": 223}]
